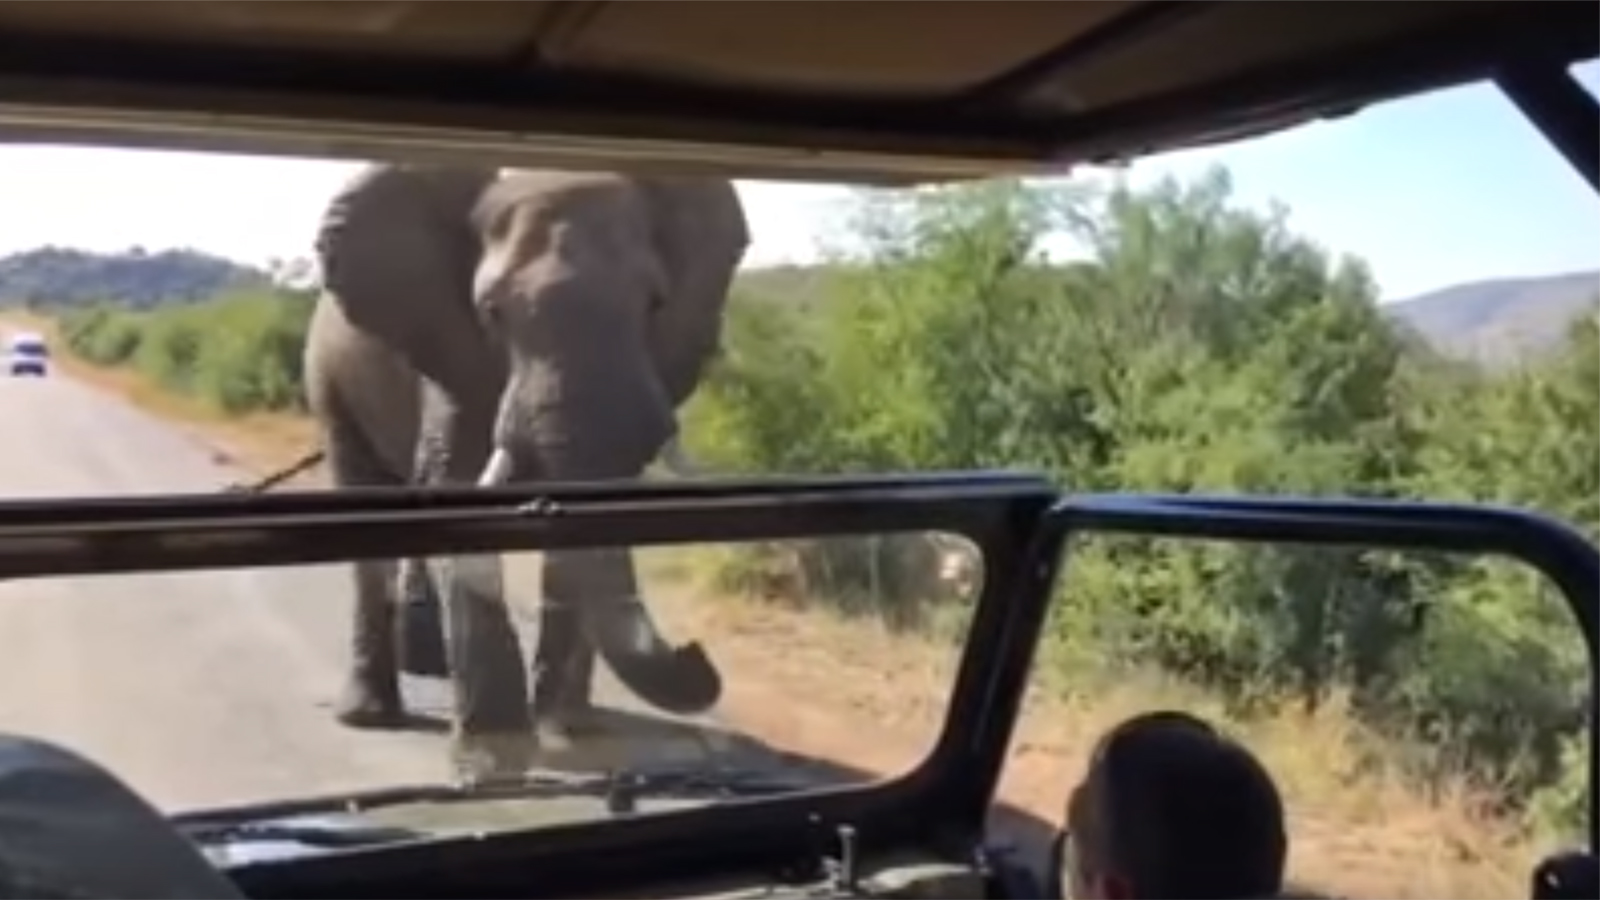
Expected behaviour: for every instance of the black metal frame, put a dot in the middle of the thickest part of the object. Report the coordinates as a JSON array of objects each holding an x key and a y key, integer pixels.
[
  {"x": 210, "y": 531},
  {"x": 1548, "y": 545},
  {"x": 1020, "y": 523},
  {"x": 1553, "y": 101},
  {"x": 287, "y": 97},
  {"x": 942, "y": 802}
]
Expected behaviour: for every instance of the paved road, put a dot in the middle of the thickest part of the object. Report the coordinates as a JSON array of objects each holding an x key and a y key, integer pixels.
[{"x": 199, "y": 688}]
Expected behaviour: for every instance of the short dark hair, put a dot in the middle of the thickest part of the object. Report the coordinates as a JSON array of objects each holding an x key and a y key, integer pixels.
[{"x": 1177, "y": 809}]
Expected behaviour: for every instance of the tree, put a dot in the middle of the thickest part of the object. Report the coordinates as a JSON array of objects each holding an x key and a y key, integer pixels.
[{"x": 1197, "y": 346}]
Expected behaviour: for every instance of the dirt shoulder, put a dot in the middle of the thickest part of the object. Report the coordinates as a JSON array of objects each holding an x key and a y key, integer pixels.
[{"x": 851, "y": 691}]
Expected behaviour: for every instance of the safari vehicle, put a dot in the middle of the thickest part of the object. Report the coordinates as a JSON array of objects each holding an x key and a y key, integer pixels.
[
  {"x": 27, "y": 354},
  {"x": 879, "y": 93}
]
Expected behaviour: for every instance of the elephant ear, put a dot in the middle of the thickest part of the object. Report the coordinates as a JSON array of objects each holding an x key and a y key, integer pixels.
[
  {"x": 396, "y": 250},
  {"x": 700, "y": 235}
]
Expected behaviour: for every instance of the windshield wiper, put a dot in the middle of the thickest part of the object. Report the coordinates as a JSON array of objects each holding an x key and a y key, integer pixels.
[
  {"x": 620, "y": 790},
  {"x": 310, "y": 834}
]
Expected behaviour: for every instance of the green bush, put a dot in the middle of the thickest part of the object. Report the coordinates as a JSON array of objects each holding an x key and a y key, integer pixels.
[
  {"x": 239, "y": 352},
  {"x": 1198, "y": 346},
  {"x": 103, "y": 336}
]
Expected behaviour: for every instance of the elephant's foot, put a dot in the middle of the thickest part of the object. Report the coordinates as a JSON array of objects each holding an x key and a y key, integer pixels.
[
  {"x": 479, "y": 758},
  {"x": 562, "y": 707},
  {"x": 361, "y": 706}
]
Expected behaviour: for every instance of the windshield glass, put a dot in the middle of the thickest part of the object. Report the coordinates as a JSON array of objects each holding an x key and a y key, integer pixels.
[{"x": 226, "y": 687}]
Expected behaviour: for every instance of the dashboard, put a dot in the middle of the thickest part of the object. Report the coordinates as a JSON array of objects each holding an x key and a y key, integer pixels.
[
  {"x": 911, "y": 876},
  {"x": 836, "y": 871}
]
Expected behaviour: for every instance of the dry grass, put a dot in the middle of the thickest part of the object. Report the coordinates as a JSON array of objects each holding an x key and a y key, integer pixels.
[
  {"x": 1359, "y": 829},
  {"x": 856, "y": 692}
]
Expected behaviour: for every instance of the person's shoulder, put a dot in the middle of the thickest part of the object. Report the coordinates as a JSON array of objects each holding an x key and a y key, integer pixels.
[{"x": 69, "y": 828}]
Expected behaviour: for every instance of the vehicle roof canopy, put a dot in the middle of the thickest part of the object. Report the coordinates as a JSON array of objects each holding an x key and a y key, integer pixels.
[{"x": 866, "y": 91}]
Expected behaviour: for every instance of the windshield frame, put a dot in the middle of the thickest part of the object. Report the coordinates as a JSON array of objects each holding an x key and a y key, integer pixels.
[
  {"x": 944, "y": 797},
  {"x": 84, "y": 86},
  {"x": 943, "y": 802}
]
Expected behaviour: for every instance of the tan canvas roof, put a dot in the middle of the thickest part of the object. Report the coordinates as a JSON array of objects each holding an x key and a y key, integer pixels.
[{"x": 865, "y": 90}]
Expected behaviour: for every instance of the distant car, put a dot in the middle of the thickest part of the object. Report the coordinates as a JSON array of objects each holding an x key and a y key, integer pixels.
[{"x": 28, "y": 354}]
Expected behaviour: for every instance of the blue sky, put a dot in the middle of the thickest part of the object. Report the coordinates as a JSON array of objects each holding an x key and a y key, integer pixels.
[{"x": 1431, "y": 191}]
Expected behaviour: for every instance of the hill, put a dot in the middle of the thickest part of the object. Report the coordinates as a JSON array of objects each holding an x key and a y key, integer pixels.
[
  {"x": 57, "y": 278},
  {"x": 1503, "y": 320},
  {"x": 1494, "y": 322}
]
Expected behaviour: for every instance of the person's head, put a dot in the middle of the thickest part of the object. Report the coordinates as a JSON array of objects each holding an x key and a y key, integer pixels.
[{"x": 1169, "y": 807}]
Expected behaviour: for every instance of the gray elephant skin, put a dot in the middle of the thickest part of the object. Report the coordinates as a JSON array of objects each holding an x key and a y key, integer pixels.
[{"x": 479, "y": 326}]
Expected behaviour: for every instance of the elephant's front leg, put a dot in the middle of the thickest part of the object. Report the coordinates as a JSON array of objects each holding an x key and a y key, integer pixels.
[
  {"x": 563, "y": 662},
  {"x": 563, "y": 658},
  {"x": 371, "y": 694},
  {"x": 421, "y": 618},
  {"x": 371, "y": 697},
  {"x": 492, "y": 732}
]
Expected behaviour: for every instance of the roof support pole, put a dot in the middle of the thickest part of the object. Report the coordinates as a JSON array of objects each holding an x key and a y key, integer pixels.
[{"x": 1562, "y": 109}]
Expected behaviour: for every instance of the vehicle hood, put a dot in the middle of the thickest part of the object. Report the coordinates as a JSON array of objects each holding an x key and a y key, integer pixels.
[
  {"x": 283, "y": 832},
  {"x": 249, "y": 850}
]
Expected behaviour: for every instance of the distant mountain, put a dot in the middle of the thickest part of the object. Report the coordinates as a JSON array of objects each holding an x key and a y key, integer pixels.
[
  {"x": 1494, "y": 322},
  {"x": 1503, "y": 320},
  {"x": 60, "y": 277}
]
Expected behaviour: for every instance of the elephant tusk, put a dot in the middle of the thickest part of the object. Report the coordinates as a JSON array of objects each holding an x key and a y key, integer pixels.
[{"x": 498, "y": 469}]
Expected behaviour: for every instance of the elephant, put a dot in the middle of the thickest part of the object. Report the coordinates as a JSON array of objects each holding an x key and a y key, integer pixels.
[{"x": 484, "y": 326}]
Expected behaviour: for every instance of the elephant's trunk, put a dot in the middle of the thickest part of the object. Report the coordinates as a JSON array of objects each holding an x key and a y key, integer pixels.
[
  {"x": 600, "y": 586},
  {"x": 677, "y": 679}
]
